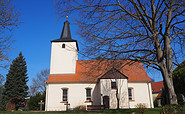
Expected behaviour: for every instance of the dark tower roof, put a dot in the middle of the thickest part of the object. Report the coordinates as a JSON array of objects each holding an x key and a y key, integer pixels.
[{"x": 66, "y": 34}]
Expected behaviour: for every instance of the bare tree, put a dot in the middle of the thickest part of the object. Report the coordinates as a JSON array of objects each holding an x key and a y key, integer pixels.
[
  {"x": 8, "y": 21},
  {"x": 38, "y": 83},
  {"x": 151, "y": 32}
]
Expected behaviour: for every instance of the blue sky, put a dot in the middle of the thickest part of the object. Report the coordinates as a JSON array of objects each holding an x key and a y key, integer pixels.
[
  {"x": 34, "y": 35},
  {"x": 39, "y": 28}
]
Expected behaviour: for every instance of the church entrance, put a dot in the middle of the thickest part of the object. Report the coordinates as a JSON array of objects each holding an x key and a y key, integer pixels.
[{"x": 106, "y": 102}]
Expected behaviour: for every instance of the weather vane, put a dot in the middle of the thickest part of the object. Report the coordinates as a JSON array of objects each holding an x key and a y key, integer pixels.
[{"x": 66, "y": 18}]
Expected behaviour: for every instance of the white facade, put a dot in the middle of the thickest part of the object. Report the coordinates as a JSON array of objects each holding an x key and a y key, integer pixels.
[
  {"x": 142, "y": 93},
  {"x": 76, "y": 96},
  {"x": 63, "y": 60}
]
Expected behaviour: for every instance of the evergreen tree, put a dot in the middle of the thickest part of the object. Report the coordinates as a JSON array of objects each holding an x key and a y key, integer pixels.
[
  {"x": 16, "y": 79},
  {"x": 1, "y": 91},
  {"x": 179, "y": 82}
]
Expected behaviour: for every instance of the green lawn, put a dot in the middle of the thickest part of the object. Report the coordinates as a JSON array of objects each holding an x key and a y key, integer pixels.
[
  {"x": 38, "y": 112},
  {"x": 121, "y": 111},
  {"x": 129, "y": 111}
]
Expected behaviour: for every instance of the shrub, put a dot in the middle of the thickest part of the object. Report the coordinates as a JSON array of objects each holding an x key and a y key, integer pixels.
[
  {"x": 180, "y": 98},
  {"x": 33, "y": 101},
  {"x": 141, "y": 108},
  {"x": 81, "y": 107},
  {"x": 173, "y": 108}
]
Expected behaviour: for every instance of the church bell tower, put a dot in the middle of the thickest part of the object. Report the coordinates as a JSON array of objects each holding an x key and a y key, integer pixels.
[{"x": 64, "y": 53}]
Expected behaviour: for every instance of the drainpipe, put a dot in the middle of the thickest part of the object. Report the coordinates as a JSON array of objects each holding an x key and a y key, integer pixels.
[
  {"x": 149, "y": 94},
  {"x": 46, "y": 99}
]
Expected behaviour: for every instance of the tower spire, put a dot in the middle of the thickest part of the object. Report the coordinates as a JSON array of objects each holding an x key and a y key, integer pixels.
[{"x": 66, "y": 34}]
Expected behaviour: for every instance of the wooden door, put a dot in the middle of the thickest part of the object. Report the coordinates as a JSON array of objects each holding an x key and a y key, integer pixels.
[{"x": 106, "y": 102}]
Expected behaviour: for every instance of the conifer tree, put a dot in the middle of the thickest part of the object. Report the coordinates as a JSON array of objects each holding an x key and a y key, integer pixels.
[
  {"x": 16, "y": 79},
  {"x": 1, "y": 91}
]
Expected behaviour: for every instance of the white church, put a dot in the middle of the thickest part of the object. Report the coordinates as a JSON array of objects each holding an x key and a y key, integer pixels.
[{"x": 109, "y": 83}]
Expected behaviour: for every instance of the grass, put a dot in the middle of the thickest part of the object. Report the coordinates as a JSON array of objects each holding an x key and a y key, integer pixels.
[
  {"x": 43, "y": 112},
  {"x": 120, "y": 111},
  {"x": 129, "y": 111}
]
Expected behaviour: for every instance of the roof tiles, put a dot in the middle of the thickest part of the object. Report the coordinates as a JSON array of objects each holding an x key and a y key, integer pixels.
[
  {"x": 92, "y": 70},
  {"x": 157, "y": 87}
]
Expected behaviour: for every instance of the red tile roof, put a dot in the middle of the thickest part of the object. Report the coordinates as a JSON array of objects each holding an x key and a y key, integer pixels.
[
  {"x": 159, "y": 96},
  {"x": 156, "y": 87},
  {"x": 91, "y": 70}
]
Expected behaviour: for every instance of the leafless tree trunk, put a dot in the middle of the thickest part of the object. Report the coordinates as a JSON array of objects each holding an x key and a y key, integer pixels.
[
  {"x": 151, "y": 32},
  {"x": 117, "y": 96}
]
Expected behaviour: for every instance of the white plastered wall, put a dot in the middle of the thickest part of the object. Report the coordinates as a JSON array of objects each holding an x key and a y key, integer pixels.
[
  {"x": 141, "y": 94},
  {"x": 63, "y": 60},
  {"x": 105, "y": 88},
  {"x": 76, "y": 96}
]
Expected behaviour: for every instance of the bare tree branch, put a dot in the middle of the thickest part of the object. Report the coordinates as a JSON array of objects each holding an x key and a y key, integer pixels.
[{"x": 150, "y": 32}]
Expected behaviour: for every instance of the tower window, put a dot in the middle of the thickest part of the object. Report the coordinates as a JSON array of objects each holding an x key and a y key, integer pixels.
[{"x": 63, "y": 45}]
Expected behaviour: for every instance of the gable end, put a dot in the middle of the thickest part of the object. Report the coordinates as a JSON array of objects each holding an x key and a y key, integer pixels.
[{"x": 113, "y": 73}]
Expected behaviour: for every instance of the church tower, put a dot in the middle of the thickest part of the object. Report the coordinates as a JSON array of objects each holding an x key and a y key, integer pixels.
[{"x": 64, "y": 53}]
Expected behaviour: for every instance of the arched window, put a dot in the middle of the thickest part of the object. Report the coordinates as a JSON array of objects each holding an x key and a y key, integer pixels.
[
  {"x": 64, "y": 94},
  {"x": 130, "y": 93},
  {"x": 88, "y": 94},
  {"x": 63, "y": 45}
]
